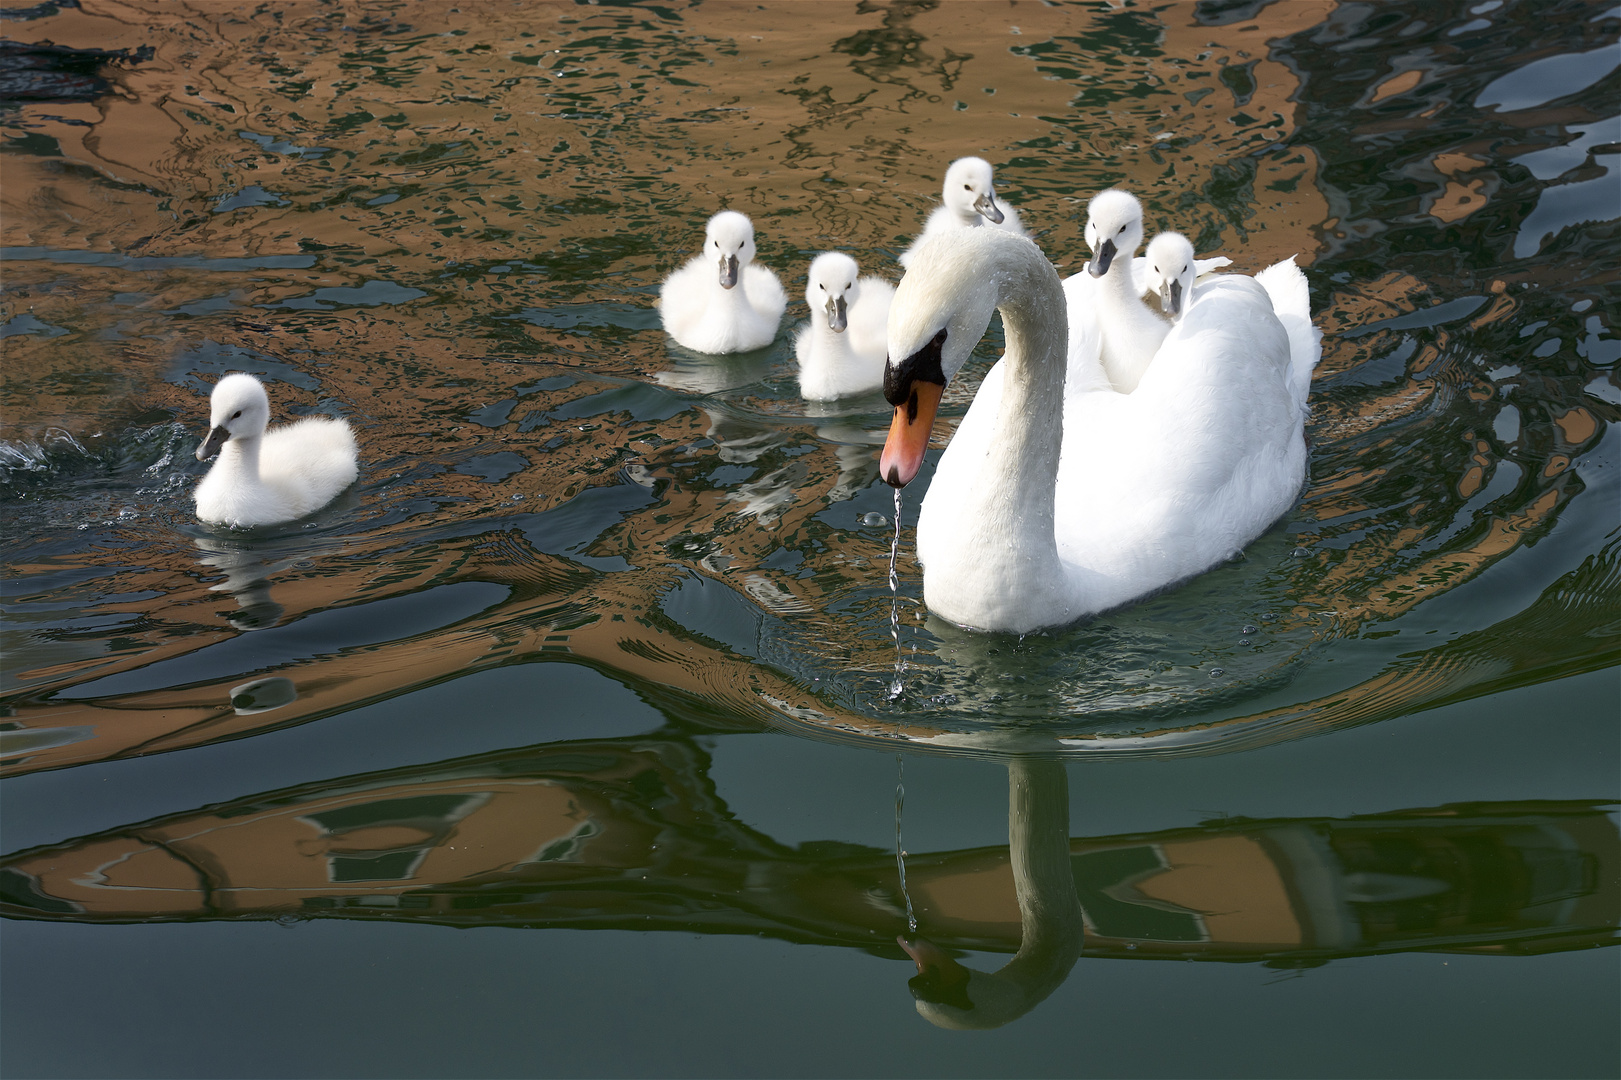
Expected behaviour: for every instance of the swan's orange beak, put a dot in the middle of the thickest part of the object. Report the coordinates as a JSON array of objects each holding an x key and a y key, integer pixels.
[{"x": 909, "y": 433}]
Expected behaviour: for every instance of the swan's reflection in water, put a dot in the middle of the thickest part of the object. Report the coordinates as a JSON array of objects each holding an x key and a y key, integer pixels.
[
  {"x": 1050, "y": 920},
  {"x": 630, "y": 833}
]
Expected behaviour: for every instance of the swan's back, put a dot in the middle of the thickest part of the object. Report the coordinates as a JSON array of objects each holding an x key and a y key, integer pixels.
[
  {"x": 1160, "y": 484},
  {"x": 1291, "y": 301}
]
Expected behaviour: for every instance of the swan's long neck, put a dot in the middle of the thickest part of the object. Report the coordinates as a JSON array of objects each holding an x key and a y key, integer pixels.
[
  {"x": 1049, "y": 910},
  {"x": 1008, "y": 548},
  {"x": 1131, "y": 333}
]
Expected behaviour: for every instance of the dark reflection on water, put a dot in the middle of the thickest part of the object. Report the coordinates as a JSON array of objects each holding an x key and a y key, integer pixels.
[
  {"x": 629, "y": 833},
  {"x": 451, "y": 230}
]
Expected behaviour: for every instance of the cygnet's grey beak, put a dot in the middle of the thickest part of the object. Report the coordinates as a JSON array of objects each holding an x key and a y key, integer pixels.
[
  {"x": 986, "y": 205},
  {"x": 1100, "y": 264},
  {"x": 1170, "y": 298},
  {"x": 837, "y": 319},
  {"x": 728, "y": 271},
  {"x": 211, "y": 445}
]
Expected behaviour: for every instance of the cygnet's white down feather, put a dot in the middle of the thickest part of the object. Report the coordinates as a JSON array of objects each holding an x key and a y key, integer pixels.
[
  {"x": 841, "y": 350},
  {"x": 722, "y": 301},
  {"x": 269, "y": 477},
  {"x": 969, "y": 198}
]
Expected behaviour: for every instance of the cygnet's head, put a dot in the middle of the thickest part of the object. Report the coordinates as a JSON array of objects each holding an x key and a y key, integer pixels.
[
  {"x": 1114, "y": 230},
  {"x": 1170, "y": 271},
  {"x": 238, "y": 409},
  {"x": 729, "y": 240},
  {"x": 970, "y": 190},
  {"x": 832, "y": 288}
]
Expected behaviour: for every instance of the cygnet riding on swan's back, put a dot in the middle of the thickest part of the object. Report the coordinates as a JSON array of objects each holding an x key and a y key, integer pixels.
[
  {"x": 722, "y": 301},
  {"x": 842, "y": 349},
  {"x": 1173, "y": 271},
  {"x": 268, "y": 477},
  {"x": 1058, "y": 496},
  {"x": 969, "y": 195},
  {"x": 1131, "y": 332}
]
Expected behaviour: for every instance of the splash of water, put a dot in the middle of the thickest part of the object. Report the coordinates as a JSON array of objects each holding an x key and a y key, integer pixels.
[
  {"x": 900, "y": 852},
  {"x": 897, "y": 685}
]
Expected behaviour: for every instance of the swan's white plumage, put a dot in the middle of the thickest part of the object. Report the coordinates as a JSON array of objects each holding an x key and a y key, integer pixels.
[
  {"x": 835, "y": 363},
  {"x": 704, "y": 313},
  {"x": 969, "y": 200},
  {"x": 1059, "y": 497},
  {"x": 269, "y": 477}
]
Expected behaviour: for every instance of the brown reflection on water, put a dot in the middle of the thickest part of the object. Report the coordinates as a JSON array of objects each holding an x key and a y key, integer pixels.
[
  {"x": 579, "y": 148},
  {"x": 630, "y": 833}
]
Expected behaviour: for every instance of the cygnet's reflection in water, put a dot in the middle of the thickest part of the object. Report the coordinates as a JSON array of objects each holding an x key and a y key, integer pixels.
[
  {"x": 950, "y": 995},
  {"x": 250, "y": 562},
  {"x": 247, "y": 578}
]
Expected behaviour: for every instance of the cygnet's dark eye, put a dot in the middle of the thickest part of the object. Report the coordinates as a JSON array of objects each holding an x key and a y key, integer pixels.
[
  {"x": 1122, "y": 229},
  {"x": 237, "y": 415},
  {"x": 846, "y": 284},
  {"x": 968, "y": 187}
]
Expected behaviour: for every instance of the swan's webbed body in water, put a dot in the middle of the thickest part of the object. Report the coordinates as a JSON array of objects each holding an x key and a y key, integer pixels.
[
  {"x": 722, "y": 301},
  {"x": 1059, "y": 497},
  {"x": 269, "y": 477}
]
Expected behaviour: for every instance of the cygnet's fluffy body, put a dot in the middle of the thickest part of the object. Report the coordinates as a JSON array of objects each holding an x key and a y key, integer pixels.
[
  {"x": 269, "y": 477},
  {"x": 722, "y": 301},
  {"x": 843, "y": 348},
  {"x": 969, "y": 198},
  {"x": 1131, "y": 332}
]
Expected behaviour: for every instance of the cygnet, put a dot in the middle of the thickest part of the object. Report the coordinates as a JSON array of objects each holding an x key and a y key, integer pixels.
[
  {"x": 268, "y": 477},
  {"x": 969, "y": 195},
  {"x": 843, "y": 348},
  {"x": 722, "y": 301}
]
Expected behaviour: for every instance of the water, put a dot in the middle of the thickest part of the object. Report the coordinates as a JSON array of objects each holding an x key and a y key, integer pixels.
[{"x": 594, "y": 658}]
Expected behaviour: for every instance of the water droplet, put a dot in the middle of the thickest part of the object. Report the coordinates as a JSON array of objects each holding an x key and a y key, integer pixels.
[
  {"x": 874, "y": 518},
  {"x": 1269, "y": 616},
  {"x": 1247, "y": 631},
  {"x": 1243, "y": 641},
  {"x": 1300, "y": 553},
  {"x": 1216, "y": 672},
  {"x": 289, "y": 921}
]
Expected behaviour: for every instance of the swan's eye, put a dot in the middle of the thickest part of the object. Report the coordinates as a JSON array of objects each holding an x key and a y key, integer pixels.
[{"x": 237, "y": 415}]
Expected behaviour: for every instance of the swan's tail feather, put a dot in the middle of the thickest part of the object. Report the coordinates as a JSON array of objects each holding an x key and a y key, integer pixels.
[{"x": 1291, "y": 300}]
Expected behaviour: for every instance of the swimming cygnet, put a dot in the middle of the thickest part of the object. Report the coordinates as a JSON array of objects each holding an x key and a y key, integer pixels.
[
  {"x": 268, "y": 477},
  {"x": 969, "y": 195},
  {"x": 842, "y": 349},
  {"x": 722, "y": 301}
]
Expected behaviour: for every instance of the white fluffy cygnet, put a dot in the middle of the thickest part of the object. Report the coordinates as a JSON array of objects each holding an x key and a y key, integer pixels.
[
  {"x": 268, "y": 477},
  {"x": 722, "y": 301},
  {"x": 1131, "y": 331},
  {"x": 842, "y": 349},
  {"x": 969, "y": 195}
]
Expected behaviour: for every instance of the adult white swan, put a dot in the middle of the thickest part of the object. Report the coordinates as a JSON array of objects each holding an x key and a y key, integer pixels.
[
  {"x": 702, "y": 305},
  {"x": 1060, "y": 497},
  {"x": 268, "y": 477},
  {"x": 969, "y": 200},
  {"x": 842, "y": 349}
]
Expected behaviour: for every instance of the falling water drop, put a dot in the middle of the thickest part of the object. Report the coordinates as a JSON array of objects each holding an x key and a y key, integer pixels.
[
  {"x": 897, "y": 685},
  {"x": 900, "y": 852}
]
